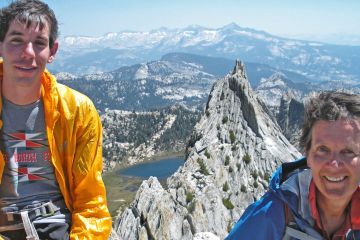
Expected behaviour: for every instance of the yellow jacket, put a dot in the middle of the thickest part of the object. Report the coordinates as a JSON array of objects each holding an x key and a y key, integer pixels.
[{"x": 75, "y": 140}]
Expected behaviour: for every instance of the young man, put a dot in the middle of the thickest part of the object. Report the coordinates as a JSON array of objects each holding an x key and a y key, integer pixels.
[
  {"x": 317, "y": 197},
  {"x": 50, "y": 138}
]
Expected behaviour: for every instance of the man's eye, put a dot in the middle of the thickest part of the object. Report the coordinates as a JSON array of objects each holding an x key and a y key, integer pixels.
[
  {"x": 16, "y": 41},
  {"x": 40, "y": 43}
]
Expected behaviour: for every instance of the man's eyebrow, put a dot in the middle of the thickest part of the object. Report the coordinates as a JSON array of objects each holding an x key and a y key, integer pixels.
[
  {"x": 15, "y": 33},
  {"x": 42, "y": 38}
]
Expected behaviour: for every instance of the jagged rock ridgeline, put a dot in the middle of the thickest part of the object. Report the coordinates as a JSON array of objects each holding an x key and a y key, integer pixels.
[{"x": 232, "y": 152}]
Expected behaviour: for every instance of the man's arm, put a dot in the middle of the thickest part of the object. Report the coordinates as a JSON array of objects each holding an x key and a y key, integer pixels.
[{"x": 90, "y": 216}]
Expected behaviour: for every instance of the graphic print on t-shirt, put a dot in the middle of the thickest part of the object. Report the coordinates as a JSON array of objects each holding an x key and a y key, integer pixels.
[
  {"x": 30, "y": 174},
  {"x": 27, "y": 156},
  {"x": 28, "y": 141}
]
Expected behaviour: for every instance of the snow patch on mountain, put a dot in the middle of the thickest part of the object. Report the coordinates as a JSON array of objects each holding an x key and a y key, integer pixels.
[
  {"x": 301, "y": 59},
  {"x": 271, "y": 90},
  {"x": 142, "y": 72},
  {"x": 276, "y": 51}
]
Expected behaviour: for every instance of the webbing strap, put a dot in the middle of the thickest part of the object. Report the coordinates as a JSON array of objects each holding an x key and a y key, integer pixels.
[
  {"x": 13, "y": 227},
  {"x": 30, "y": 230},
  {"x": 292, "y": 232},
  {"x": 35, "y": 211}
]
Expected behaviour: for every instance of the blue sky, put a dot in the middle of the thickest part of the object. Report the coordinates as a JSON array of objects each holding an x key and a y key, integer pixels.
[{"x": 279, "y": 17}]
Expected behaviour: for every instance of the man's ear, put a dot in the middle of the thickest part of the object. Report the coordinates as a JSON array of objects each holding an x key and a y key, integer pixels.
[{"x": 53, "y": 51}]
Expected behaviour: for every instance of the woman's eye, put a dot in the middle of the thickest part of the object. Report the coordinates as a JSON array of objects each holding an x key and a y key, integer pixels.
[
  {"x": 322, "y": 151},
  {"x": 348, "y": 153}
]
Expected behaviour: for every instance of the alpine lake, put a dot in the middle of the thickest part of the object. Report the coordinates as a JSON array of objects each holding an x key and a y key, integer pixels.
[{"x": 123, "y": 182}]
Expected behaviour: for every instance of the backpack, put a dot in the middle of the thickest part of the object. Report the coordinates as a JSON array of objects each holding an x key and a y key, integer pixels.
[{"x": 291, "y": 230}]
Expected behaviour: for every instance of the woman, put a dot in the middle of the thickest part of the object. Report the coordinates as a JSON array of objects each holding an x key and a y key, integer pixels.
[{"x": 316, "y": 197}]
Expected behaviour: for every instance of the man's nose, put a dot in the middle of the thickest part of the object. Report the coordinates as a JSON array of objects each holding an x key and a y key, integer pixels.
[{"x": 28, "y": 51}]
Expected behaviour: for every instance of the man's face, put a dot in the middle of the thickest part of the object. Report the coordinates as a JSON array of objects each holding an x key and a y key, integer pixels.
[
  {"x": 25, "y": 52},
  {"x": 334, "y": 158}
]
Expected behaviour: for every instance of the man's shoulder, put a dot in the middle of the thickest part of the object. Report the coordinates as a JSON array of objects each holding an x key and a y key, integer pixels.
[
  {"x": 73, "y": 104},
  {"x": 73, "y": 97}
]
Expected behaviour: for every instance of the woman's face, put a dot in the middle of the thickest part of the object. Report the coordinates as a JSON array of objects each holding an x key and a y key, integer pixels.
[{"x": 334, "y": 158}]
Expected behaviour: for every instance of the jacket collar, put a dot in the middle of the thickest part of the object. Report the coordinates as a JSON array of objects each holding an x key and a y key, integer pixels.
[
  {"x": 287, "y": 170},
  {"x": 1, "y": 78}
]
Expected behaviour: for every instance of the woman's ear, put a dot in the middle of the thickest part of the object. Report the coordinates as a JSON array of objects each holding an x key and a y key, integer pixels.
[{"x": 308, "y": 161}]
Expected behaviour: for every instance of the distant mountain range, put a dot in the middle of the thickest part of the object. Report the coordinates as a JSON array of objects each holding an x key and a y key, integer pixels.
[
  {"x": 316, "y": 61},
  {"x": 187, "y": 79},
  {"x": 175, "y": 78}
]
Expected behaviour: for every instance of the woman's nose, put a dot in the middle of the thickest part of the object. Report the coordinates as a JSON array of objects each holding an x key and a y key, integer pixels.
[{"x": 335, "y": 159}]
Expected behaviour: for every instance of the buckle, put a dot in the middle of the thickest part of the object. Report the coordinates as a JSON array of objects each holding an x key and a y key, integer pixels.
[{"x": 47, "y": 209}]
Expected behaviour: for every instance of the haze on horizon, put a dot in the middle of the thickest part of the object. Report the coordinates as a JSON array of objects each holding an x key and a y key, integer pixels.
[{"x": 330, "y": 21}]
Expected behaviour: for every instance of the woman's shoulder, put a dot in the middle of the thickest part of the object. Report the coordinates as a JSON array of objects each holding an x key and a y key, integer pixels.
[{"x": 264, "y": 219}]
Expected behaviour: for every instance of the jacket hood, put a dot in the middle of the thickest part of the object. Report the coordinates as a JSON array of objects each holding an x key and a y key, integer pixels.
[
  {"x": 290, "y": 183},
  {"x": 285, "y": 171}
]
